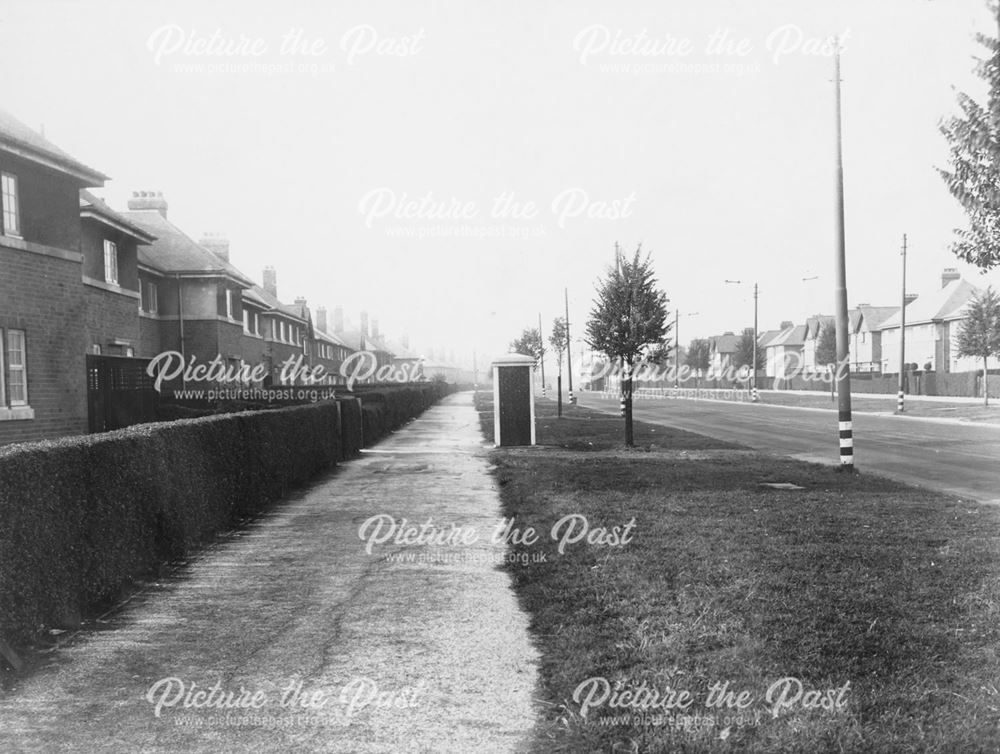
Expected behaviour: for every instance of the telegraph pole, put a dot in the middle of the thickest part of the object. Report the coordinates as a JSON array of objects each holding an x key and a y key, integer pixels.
[
  {"x": 677, "y": 347},
  {"x": 843, "y": 369},
  {"x": 569, "y": 360},
  {"x": 753, "y": 385},
  {"x": 902, "y": 335}
]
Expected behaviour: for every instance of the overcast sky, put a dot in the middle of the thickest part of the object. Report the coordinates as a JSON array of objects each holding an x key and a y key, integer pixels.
[{"x": 703, "y": 130}]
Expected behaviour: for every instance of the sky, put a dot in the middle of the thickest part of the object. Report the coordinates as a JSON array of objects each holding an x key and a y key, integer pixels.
[{"x": 454, "y": 167}]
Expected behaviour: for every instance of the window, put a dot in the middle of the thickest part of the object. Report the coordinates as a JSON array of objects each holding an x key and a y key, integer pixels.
[
  {"x": 281, "y": 331},
  {"x": 96, "y": 349},
  {"x": 246, "y": 321},
  {"x": 11, "y": 206},
  {"x": 154, "y": 298},
  {"x": 256, "y": 323},
  {"x": 129, "y": 352},
  {"x": 110, "y": 262},
  {"x": 17, "y": 378},
  {"x": 229, "y": 303}
]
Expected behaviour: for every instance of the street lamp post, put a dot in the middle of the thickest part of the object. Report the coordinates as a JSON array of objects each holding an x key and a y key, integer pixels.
[
  {"x": 677, "y": 343},
  {"x": 753, "y": 380},
  {"x": 845, "y": 425}
]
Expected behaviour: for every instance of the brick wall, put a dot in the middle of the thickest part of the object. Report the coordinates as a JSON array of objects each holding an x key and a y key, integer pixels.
[
  {"x": 109, "y": 316},
  {"x": 50, "y": 204},
  {"x": 43, "y": 296}
]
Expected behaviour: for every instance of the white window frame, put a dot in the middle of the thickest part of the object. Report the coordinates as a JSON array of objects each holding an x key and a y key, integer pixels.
[
  {"x": 9, "y": 195},
  {"x": 153, "y": 297},
  {"x": 229, "y": 303},
  {"x": 22, "y": 368},
  {"x": 110, "y": 262}
]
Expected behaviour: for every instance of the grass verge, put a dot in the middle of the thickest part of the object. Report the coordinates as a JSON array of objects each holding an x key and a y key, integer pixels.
[{"x": 877, "y": 603}]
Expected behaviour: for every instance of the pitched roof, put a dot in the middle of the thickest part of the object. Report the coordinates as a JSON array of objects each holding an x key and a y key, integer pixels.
[
  {"x": 724, "y": 343},
  {"x": 93, "y": 206},
  {"x": 330, "y": 337},
  {"x": 25, "y": 142},
  {"x": 766, "y": 337},
  {"x": 263, "y": 298},
  {"x": 174, "y": 251},
  {"x": 790, "y": 337},
  {"x": 816, "y": 323},
  {"x": 948, "y": 302},
  {"x": 872, "y": 317},
  {"x": 358, "y": 342}
]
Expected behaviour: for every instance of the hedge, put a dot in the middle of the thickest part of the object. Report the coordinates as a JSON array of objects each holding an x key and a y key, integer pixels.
[{"x": 82, "y": 517}]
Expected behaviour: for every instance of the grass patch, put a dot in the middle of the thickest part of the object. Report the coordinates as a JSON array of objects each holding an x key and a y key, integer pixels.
[{"x": 854, "y": 579}]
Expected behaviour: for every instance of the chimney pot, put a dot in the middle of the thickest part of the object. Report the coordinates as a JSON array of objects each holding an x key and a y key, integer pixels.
[
  {"x": 321, "y": 319},
  {"x": 144, "y": 200},
  {"x": 949, "y": 274},
  {"x": 364, "y": 323}
]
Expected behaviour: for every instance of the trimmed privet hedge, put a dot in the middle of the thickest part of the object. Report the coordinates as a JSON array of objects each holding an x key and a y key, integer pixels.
[
  {"x": 387, "y": 409},
  {"x": 82, "y": 517}
]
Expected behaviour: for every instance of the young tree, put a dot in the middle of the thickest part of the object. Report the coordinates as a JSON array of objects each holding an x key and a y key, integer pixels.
[
  {"x": 979, "y": 333},
  {"x": 826, "y": 348},
  {"x": 530, "y": 343},
  {"x": 974, "y": 177},
  {"x": 826, "y": 353},
  {"x": 559, "y": 340},
  {"x": 699, "y": 354},
  {"x": 629, "y": 321},
  {"x": 745, "y": 348}
]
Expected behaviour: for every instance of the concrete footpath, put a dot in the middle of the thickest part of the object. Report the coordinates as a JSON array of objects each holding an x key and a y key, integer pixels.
[{"x": 291, "y": 636}]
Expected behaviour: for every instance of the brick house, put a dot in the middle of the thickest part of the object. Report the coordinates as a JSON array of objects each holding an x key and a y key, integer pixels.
[
  {"x": 329, "y": 351},
  {"x": 109, "y": 244},
  {"x": 365, "y": 340},
  {"x": 285, "y": 330},
  {"x": 42, "y": 298},
  {"x": 722, "y": 352},
  {"x": 191, "y": 298},
  {"x": 865, "y": 327}
]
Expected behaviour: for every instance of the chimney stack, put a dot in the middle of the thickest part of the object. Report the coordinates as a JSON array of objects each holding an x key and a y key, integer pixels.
[
  {"x": 271, "y": 281},
  {"x": 217, "y": 243},
  {"x": 321, "y": 319},
  {"x": 910, "y": 297},
  {"x": 375, "y": 328},
  {"x": 786, "y": 324},
  {"x": 949, "y": 274},
  {"x": 338, "y": 319},
  {"x": 364, "y": 324},
  {"x": 148, "y": 200},
  {"x": 405, "y": 340}
]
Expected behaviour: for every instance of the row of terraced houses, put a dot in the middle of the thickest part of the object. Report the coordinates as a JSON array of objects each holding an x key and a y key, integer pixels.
[{"x": 83, "y": 285}]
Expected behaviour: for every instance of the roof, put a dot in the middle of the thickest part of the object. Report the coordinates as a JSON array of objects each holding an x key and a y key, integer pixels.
[
  {"x": 257, "y": 295},
  {"x": 95, "y": 207},
  {"x": 330, "y": 338},
  {"x": 948, "y": 302},
  {"x": 724, "y": 343},
  {"x": 872, "y": 317},
  {"x": 816, "y": 323},
  {"x": 790, "y": 337},
  {"x": 399, "y": 352},
  {"x": 764, "y": 339},
  {"x": 19, "y": 139},
  {"x": 358, "y": 342},
  {"x": 174, "y": 251}
]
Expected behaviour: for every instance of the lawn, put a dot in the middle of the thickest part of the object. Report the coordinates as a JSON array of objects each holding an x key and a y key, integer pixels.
[
  {"x": 967, "y": 411},
  {"x": 880, "y": 600}
]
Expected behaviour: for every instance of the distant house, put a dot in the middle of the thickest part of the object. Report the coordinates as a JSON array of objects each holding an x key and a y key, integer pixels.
[
  {"x": 722, "y": 352},
  {"x": 810, "y": 344},
  {"x": 109, "y": 243},
  {"x": 365, "y": 340},
  {"x": 286, "y": 331},
  {"x": 406, "y": 361},
  {"x": 764, "y": 339},
  {"x": 42, "y": 298},
  {"x": 932, "y": 322},
  {"x": 783, "y": 353},
  {"x": 329, "y": 351},
  {"x": 865, "y": 326}
]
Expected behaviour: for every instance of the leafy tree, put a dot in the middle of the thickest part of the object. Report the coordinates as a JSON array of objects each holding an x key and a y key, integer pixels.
[
  {"x": 529, "y": 344},
  {"x": 745, "y": 348},
  {"x": 979, "y": 333},
  {"x": 826, "y": 348},
  {"x": 629, "y": 321},
  {"x": 974, "y": 177},
  {"x": 699, "y": 354},
  {"x": 559, "y": 340}
]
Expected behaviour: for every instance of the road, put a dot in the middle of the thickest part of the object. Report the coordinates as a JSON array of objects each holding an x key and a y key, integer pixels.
[{"x": 960, "y": 459}]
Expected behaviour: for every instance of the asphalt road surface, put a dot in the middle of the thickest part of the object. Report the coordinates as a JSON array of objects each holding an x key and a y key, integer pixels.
[{"x": 958, "y": 458}]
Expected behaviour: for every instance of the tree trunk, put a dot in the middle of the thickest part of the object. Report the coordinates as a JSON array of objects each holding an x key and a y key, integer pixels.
[
  {"x": 559, "y": 395},
  {"x": 629, "y": 437},
  {"x": 986, "y": 384}
]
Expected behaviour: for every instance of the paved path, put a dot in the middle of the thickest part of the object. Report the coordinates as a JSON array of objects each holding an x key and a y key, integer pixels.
[
  {"x": 367, "y": 652},
  {"x": 960, "y": 459}
]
